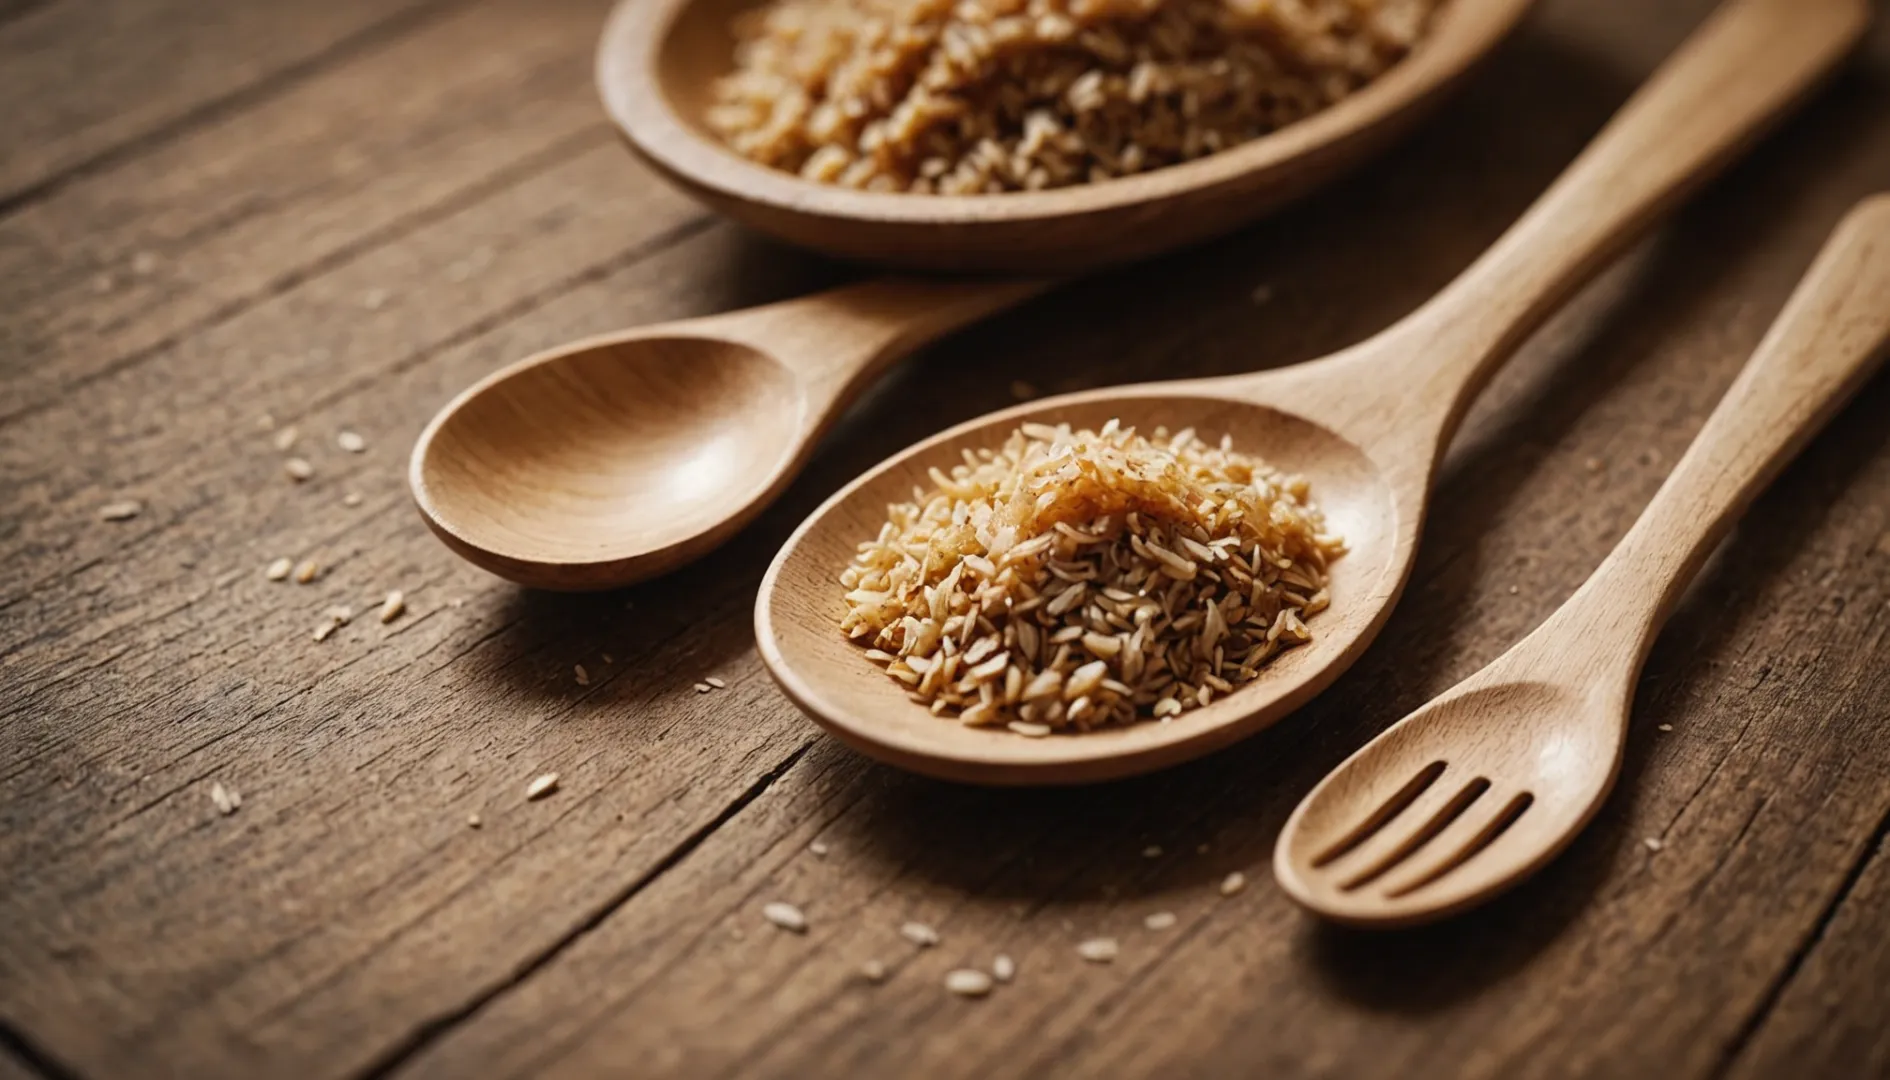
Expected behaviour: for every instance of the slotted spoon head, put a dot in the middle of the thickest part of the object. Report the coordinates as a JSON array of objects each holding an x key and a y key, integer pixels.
[{"x": 1456, "y": 802}]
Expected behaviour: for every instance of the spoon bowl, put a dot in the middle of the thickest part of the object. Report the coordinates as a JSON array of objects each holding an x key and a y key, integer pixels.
[
  {"x": 659, "y": 58},
  {"x": 609, "y": 457},
  {"x": 610, "y": 460},
  {"x": 800, "y": 605}
]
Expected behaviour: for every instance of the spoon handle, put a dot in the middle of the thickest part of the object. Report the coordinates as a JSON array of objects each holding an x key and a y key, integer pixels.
[
  {"x": 1737, "y": 73},
  {"x": 839, "y": 339},
  {"x": 1830, "y": 337}
]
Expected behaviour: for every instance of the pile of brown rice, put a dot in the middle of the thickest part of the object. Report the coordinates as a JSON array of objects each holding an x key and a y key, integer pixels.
[
  {"x": 964, "y": 97},
  {"x": 1074, "y": 579}
]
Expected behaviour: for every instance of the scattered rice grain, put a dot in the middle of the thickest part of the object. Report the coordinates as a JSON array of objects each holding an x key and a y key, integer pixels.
[
  {"x": 227, "y": 799},
  {"x": 1654, "y": 843},
  {"x": 1160, "y": 920},
  {"x": 279, "y": 570},
  {"x": 873, "y": 971},
  {"x": 285, "y": 439},
  {"x": 583, "y": 677},
  {"x": 968, "y": 982},
  {"x": 1233, "y": 883},
  {"x": 306, "y": 571},
  {"x": 716, "y": 683},
  {"x": 391, "y": 607},
  {"x": 785, "y": 916},
  {"x": 1003, "y": 968},
  {"x": 1100, "y": 950},
  {"x": 541, "y": 786},
  {"x": 298, "y": 469},
  {"x": 350, "y": 441},
  {"x": 919, "y": 934},
  {"x": 122, "y": 510}
]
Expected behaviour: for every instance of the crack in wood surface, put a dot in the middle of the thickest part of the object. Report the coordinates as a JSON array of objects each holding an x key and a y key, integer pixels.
[{"x": 418, "y": 1040}]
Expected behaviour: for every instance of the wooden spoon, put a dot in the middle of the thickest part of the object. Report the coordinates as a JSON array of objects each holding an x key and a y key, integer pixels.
[
  {"x": 1481, "y": 787},
  {"x": 658, "y": 60},
  {"x": 614, "y": 459},
  {"x": 1365, "y": 426}
]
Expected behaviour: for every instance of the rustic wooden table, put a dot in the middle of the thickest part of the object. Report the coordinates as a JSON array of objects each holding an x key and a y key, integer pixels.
[{"x": 222, "y": 220}]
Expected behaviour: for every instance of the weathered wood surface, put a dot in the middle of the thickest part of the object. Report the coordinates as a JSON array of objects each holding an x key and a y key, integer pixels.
[{"x": 336, "y": 214}]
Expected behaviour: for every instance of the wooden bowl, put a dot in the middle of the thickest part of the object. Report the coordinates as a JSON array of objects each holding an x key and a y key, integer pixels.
[{"x": 658, "y": 59}]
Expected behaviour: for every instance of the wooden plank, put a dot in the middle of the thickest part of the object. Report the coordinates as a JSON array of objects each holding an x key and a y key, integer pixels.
[
  {"x": 153, "y": 69},
  {"x": 289, "y": 933},
  {"x": 1828, "y": 1020},
  {"x": 112, "y": 268},
  {"x": 1618, "y": 961}
]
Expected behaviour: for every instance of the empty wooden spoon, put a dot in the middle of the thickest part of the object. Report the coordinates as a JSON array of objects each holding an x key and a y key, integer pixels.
[
  {"x": 659, "y": 58},
  {"x": 614, "y": 459},
  {"x": 1479, "y": 788},
  {"x": 1365, "y": 426}
]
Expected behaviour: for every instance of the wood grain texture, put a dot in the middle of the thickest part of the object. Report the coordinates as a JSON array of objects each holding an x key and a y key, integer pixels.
[
  {"x": 1826, "y": 1021},
  {"x": 347, "y": 921},
  {"x": 151, "y": 69}
]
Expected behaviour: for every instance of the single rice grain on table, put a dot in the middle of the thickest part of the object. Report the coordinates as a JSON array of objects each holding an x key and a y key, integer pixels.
[
  {"x": 967, "y": 97},
  {"x": 1070, "y": 580}
]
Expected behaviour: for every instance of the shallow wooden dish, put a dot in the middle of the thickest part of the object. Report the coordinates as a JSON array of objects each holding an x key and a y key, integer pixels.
[{"x": 658, "y": 58}]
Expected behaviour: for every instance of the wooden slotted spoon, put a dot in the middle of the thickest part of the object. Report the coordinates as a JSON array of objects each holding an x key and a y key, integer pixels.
[{"x": 1479, "y": 788}]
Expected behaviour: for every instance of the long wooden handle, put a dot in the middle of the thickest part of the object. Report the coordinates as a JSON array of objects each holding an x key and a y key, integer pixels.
[
  {"x": 1739, "y": 72},
  {"x": 1831, "y": 336},
  {"x": 839, "y": 339}
]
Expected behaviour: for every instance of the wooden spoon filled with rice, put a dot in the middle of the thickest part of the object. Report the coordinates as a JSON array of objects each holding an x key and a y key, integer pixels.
[{"x": 1074, "y": 579}]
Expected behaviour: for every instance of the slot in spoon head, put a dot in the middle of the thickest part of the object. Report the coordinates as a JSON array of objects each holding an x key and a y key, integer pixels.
[
  {"x": 798, "y": 611},
  {"x": 1462, "y": 799}
]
